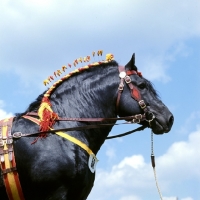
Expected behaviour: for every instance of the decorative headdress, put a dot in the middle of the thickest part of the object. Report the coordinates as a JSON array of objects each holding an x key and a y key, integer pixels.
[{"x": 45, "y": 112}]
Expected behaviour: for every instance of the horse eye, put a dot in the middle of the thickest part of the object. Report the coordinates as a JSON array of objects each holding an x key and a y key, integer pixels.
[{"x": 142, "y": 85}]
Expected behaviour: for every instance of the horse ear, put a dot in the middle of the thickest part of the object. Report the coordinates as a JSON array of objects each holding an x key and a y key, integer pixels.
[{"x": 131, "y": 64}]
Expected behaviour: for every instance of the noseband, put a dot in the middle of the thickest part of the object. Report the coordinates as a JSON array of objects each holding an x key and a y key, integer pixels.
[{"x": 135, "y": 94}]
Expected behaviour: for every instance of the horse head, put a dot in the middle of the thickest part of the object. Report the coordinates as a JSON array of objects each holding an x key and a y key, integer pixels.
[{"x": 139, "y": 97}]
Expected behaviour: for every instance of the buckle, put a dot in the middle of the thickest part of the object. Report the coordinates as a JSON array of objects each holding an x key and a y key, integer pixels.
[
  {"x": 142, "y": 104},
  {"x": 1, "y": 143},
  {"x": 137, "y": 118},
  {"x": 121, "y": 86},
  {"x": 150, "y": 114},
  {"x": 127, "y": 79},
  {"x": 136, "y": 121},
  {"x": 17, "y": 135},
  {"x": 9, "y": 141},
  {"x": 152, "y": 118}
]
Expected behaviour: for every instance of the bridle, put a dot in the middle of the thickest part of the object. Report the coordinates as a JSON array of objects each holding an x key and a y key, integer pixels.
[{"x": 135, "y": 94}]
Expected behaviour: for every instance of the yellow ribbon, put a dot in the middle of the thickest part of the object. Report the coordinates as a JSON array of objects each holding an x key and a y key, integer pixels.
[{"x": 66, "y": 136}]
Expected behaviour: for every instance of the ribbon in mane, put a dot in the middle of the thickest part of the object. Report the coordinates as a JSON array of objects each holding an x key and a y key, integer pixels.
[{"x": 46, "y": 114}]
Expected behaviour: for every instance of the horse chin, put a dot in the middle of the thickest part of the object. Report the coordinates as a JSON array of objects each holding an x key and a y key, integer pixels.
[{"x": 158, "y": 128}]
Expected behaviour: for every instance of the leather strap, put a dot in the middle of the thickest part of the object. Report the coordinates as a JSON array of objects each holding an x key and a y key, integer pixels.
[
  {"x": 124, "y": 77},
  {"x": 8, "y": 164},
  {"x": 17, "y": 135},
  {"x": 61, "y": 134},
  {"x": 128, "y": 118}
]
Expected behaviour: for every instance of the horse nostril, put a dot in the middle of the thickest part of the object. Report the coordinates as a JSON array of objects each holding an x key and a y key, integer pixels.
[{"x": 171, "y": 120}]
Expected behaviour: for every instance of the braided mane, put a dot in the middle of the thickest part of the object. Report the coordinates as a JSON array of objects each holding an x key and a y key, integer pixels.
[
  {"x": 57, "y": 83},
  {"x": 42, "y": 103}
]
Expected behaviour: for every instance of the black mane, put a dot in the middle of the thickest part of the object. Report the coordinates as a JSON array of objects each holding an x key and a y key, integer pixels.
[
  {"x": 33, "y": 107},
  {"x": 150, "y": 87}
]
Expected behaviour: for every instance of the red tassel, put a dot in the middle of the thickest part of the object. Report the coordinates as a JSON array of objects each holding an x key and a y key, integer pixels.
[
  {"x": 47, "y": 116},
  {"x": 48, "y": 120}
]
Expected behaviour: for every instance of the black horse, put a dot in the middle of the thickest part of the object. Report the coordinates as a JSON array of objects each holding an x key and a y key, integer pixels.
[{"x": 55, "y": 168}]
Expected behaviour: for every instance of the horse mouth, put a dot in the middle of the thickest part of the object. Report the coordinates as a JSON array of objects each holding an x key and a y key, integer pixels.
[{"x": 158, "y": 128}]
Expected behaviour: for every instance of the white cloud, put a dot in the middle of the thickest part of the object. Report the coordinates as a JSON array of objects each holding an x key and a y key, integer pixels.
[
  {"x": 47, "y": 32},
  {"x": 187, "y": 198},
  {"x": 124, "y": 179},
  {"x": 169, "y": 198},
  {"x": 176, "y": 198},
  {"x": 130, "y": 198},
  {"x": 189, "y": 122},
  {"x": 3, "y": 113},
  {"x": 133, "y": 176},
  {"x": 155, "y": 69},
  {"x": 181, "y": 158},
  {"x": 179, "y": 49},
  {"x": 135, "y": 162},
  {"x": 110, "y": 152}
]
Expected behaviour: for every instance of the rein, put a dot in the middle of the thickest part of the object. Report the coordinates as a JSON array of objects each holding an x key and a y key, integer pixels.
[
  {"x": 153, "y": 163},
  {"x": 134, "y": 118},
  {"x": 17, "y": 135}
]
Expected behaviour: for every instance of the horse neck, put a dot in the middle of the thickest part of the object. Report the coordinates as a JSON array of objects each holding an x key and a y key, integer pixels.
[{"x": 91, "y": 94}]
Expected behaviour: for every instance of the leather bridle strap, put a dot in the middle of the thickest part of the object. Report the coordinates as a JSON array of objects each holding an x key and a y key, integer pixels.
[
  {"x": 127, "y": 133},
  {"x": 134, "y": 118},
  {"x": 135, "y": 93},
  {"x": 121, "y": 85},
  {"x": 124, "y": 77},
  {"x": 17, "y": 135}
]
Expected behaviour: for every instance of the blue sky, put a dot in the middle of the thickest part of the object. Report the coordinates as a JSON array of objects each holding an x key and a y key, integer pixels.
[{"x": 38, "y": 37}]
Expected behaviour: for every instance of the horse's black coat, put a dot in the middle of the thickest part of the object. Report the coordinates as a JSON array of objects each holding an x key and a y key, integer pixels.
[{"x": 55, "y": 168}]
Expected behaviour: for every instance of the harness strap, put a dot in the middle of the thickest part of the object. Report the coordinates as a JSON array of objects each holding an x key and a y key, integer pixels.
[
  {"x": 75, "y": 141},
  {"x": 65, "y": 135},
  {"x": 133, "y": 118},
  {"x": 8, "y": 164},
  {"x": 32, "y": 119}
]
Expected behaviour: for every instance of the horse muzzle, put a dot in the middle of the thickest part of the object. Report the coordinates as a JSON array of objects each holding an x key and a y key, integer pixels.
[{"x": 159, "y": 125}]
